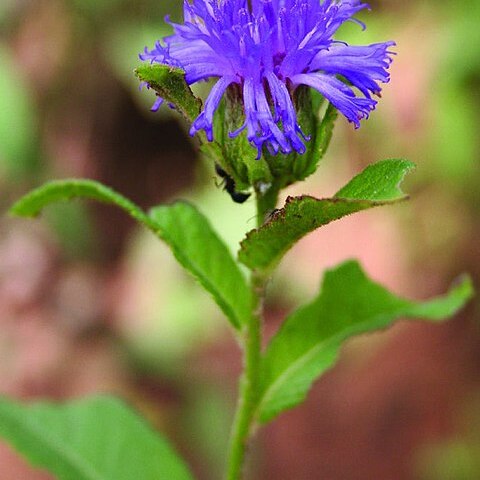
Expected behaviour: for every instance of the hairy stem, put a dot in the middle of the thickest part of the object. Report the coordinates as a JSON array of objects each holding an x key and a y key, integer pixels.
[{"x": 251, "y": 338}]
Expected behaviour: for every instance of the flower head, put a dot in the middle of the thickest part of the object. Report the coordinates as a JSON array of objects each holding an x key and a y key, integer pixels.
[{"x": 268, "y": 48}]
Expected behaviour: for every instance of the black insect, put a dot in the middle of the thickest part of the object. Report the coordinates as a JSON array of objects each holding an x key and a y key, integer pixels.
[{"x": 229, "y": 186}]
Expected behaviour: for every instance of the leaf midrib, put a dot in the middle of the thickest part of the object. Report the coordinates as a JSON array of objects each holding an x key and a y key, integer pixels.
[{"x": 303, "y": 359}]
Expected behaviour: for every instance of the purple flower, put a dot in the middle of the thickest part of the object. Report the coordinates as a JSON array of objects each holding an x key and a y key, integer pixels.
[{"x": 269, "y": 47}]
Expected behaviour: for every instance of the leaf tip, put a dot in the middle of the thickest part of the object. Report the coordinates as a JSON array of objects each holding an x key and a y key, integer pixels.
[
  {"x": 464, "y": 286},
  {"x": 408, "y": 166},
  {"x": 18, "y": 209}
]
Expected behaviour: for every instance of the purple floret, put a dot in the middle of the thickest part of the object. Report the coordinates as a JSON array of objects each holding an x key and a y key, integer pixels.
[{"x": 269, "y": 50}]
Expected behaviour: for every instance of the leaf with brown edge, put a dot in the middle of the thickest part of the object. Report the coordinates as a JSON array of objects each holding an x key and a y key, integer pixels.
[{"x": 377, "y": 185}]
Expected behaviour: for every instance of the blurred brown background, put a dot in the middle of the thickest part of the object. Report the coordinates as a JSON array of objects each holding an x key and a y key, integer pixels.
[{"x": 89, "y": 302}]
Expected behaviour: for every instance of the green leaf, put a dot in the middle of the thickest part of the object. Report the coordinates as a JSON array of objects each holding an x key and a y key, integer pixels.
[
  {"x": 169, "y": 83},
  {"x": 93, "y": 439},
  {"x": 187, "y": 232},
  {"x": 199, "y": 249},
  {"x": 35, "y": 201},
  {"x": 348, "y": 304},
  {"x": 378, "y": 184}
]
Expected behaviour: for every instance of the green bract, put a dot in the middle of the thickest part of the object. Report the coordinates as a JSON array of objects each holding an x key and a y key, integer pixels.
[{"x": 236, "y": 155}]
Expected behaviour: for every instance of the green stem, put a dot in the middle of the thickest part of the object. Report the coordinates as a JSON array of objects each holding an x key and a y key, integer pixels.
[
  {"x": 251, "y": 339},
  {"x": 266, "y": 202},
  {"x": 242, "y": 426}
]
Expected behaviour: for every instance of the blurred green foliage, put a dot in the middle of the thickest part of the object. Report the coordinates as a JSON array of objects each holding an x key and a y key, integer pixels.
[
  {"x": 18, "y": 122},
  {"x": 457, "y": 458}
]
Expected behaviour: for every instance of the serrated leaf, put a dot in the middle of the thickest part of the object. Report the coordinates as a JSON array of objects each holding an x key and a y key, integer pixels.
[
  {"x": 93, "y": 439},
  {"x": 377, "y": 185},
  {"x": 188, "y": 233},
  {"x": 348, "y": 304},
  {"x": 198, "y": 248},
  {"x": 169, "y": 83}
]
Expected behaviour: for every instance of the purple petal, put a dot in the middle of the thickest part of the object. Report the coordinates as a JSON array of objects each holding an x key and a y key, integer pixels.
[
  {"x": 339, "y": 95},
  {"x": 205, "y": 120}
]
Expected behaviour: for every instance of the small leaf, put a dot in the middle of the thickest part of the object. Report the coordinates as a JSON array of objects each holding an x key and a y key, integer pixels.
[
  {"x": 94, "y": 439},
  {"x": 191, "y": 238},
  {"x": 377, "y": 185},
  {"x": 169, "y": 83},
  {"x": 348, "y": 304},
  {"x": 198, "y": 248},
  {"x": 379, "y": 182}
]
